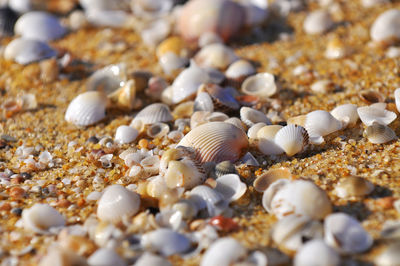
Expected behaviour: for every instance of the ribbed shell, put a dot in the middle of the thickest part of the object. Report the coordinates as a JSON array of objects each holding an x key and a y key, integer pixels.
[
  {"x": 379, "y": 134},
  {"x": 154, "y": 113},
  {"x": 216, "y": 142},
  {"x": 292, "y": 139},
  {"x": 26, "y": 51},
  {"x": 7, "y": 21},
  {"x": 224, "y": 168},
  {"x": 376, "y": 113}
]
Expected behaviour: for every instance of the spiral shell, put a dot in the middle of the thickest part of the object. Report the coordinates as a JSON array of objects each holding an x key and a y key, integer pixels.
[{"x": 154, "y": 113}]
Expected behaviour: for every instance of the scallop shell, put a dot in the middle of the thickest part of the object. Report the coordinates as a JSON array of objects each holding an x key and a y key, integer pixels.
[
  {"x": 319, "y": 124},
  {"x": 307, "y": 254},
  {"x": 347, "y": 113},
  {"x": 105, "y": 256},
  {"x": 379, "y": 134},
  {"x": 353, "y": 186},
  {"x": 209, "y": 199},
  {"x": 376, "y": 113},
  {"x": 216, "y": 55},
  {"x": 86, "y": 109},
  {"x": 346, "y": 234},
  {"x": 165, "y": 241},
  {"x": 7, "y": 21},
  {"x": 261, "y": 85},
  {"x": 216, "y": 142},
  {"x": 40, "y": 26},
  {"x": 252, "y": 116},
  {"x": 262, "y": 182},
  {"x": 224, "y": 251},
  {"x": 397, "y": 98},
  {"x": 222, "y": 98},
  {"x": 157, "y": 130},
  {"x": 386, "y": 28},
  {"x": 292, "y": 139},
  {"x": 266, "y": 140},
  {"x": 239, "y": 70},
  {"x": 41, "y": 218},
  {"x": 318, "y": 22},
  {"x": 26, "y": 51},
  {"x": 230, "y": 187},
  {"x": 125, "y": 134},
  {"x": 117, "y": 202},
  {"x": 154, "y": 113}
]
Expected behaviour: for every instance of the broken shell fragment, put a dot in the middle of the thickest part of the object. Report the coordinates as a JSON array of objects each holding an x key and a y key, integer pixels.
[
  {"x": 292, "y": 139},
  {"x": 376, "y": 113},
  {"x": 379, "y": 134},
  {"x": 353, "y": 186},
  {"x": 41, "y": 218},
  {"x": 230, "y": 187},
  {"x": 261, "y": 85}
]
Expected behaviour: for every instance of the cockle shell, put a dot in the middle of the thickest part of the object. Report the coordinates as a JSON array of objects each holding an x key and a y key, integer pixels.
[
  {"x": 215, "y": 55},
  {"x": 317, "y": 22},
  {"x": 252, "y": 116},
  {"x": 397, "y": 98},
  {"x": 266, "y": 140},
  {"x": 376, "y": 113},
  {"x": 216, "y": 142},
  {"x": 26, "y": 51},
  {"x": 40, "y": 26},
  {"x": 105, "y": 256},
  {"x": 319, "y": 124},
  {"x": 117, "y": 202},
  {"x": 261, "y": 85},
  {"x": 347, "y": 113},
  {"x": 230, "y": 187},
  {"x": 154, "y": 113},
  {"x": 346, "y": 234},
  {"x": 386, "y": 28},
  {"x": 87, "y": 108},
  {"x": 223, "y": 252},
  {"x": 292, "y": 139},
  {"x": 125, "y": 134},
  {"x": 307, "y": 254},
  {"x": 379, "y": 134},
  {"x": 41, "y": 218},
  {"x": 165, "y": 241}
]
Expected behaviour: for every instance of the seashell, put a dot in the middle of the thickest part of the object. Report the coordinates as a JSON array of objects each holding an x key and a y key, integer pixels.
[
  {"x": 297, "y": 197},
  {"x": 57, "y": 255},
  {"x": 175, "y": 45},
  {"x": 251, "y": 116},
  {"x": 222, "y": 98},
  {"x": 215, "y": 55},
  {"x": 371, "y": 96},
  {"x": 326, "y": 255},
  {"x": 393, "y": 52},
  {"x": 86, "y": 109},
  {"x": 376, "y": 113},
  {"x": 214, "y": 75},
  {"x": 105, "y": 256},
  {"x": 262, "y": 85},
  {"x": 42, "y": 218},
  {"x": 217, "y": 117},
  {"x": 318, "y": 22},
  {"x": 291, "y": 232},
  {"x": 165, "y": 241},
  {"x": 7, "y": 21},
  {"x": 319, "y": 124},
  {"x": 186, "y": 207},
  {"x": 198, "y": 118},
  {"x": 107, "y": 79},
  {"x": 262, "y": 182},
  {"x": 266, "y": 140},
  {"x": 353, "y": 186},
  {"x": 20, "y": 6},
  {"x": 175, "y": 136},
  {"x": 236, "y": 122},
  {"x": 224, "y": 251},
  {"x": 125, "y": 134},
  {"x": 156, "y": 31},
  {"x": 253, "y": 130},
  {"x": 322, "y": 86},
  {"x": 156, "y": 186},
  {"x": 224, "y": 18},
  {"x": 225, "y": 168},
  {"x": 346, "y": 113},
  {"x": 216, "y": 142},
  {"x": 209, "y": 37},
  {"x": 230, "y": 187},
  {"x": 107, "y": 18},
  {"x": 171, "y": 62},
  {"x": 239, "y": 70},
  {"x": 151, "y": 164},
  {"x": 157, "y": 130},
  {"x": 336, "y": 49},
  {"x": 154, "y": 113},
  {"x": 39, "y": 26},
  {"x": 117, "y": 202},
  {"x": 249, "y": 160},
  {"x": 209, "y": 199},
  {"x": 150, "y": 8},
  {"x": 397, "y": 98},
  {"x": 148, "y": 258},
  {"x": 183, "y": 110},
  {"x": 203, "y": 102},
  {"x": 292, "y": 139},
  {"x": 345, "y": 234},
  {"x": 26, "y": 51},
  {"x": 379, "y": 134},
  {"x": 386, "y": 28},
  {"x": 256, "y": 12},
  {"x": 389, "y": 256},
  {"x": 297, "y": 120}
]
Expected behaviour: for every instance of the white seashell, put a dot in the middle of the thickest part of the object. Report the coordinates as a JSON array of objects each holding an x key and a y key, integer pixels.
[
  {"x": 107, "y": 18},
  {"x": 307, "y": 254},
  {"x": 346, "y": 234},
  {"x": 41, "y": 218},
  {"x": 154, "y": 113},
  {"x": 207, "y": 198},
  {"x": 165, "y": 241},
  {"x": 105, "y": 256},
  {"x": 248, "y": 159},
  {"x": 389, "y": 256},
  {"x": 203, "y": 102},
  {"x": 148, "y": 258},
  {"x": 346, "y": 113},
  {"x": 292, "y": 139},
  {"x": 151, "y": 164},
  {"x": 40, "y": 26},
  {"x": 252, "y": 116},
  {"x": 397, "y": 98},
  {"x": 266, "y": 140},
  {"x": 151, "y": 8},
  {"x": 353, "y": 186},
  {"x": 26, "y": 51},
  {"x": 107, "y": 79},
  {"x": 261, "y": 85},
  {"x": 215, "y": 55},
  {"x": 156, "y": 186},
  {"x": 230, "y": 187},
  {"x": 171, "y": 62},
  {"x": 297, "y": 197},
  {"x": 262, "y": 182},
  {"x": 319, "y": 124},
  {"x": 379, "y": 134},
  {"x": 156, "y": 32},
  {"x": 117, "y": 202},
  {"x": 216, "y": 142},
  {"x": 240, "y": 69},
  {"x": 236, "y": 122},
  {"x": 386, "y": 28},
  {"x": 253, "y": 130},
  {"x": 157, "y": 130},
  {"x": 20, "y": 6},
  {"x": 223, "y": 252},
  {"x": 126, "y": 134},
  {"x": 86, "y": 109},
  {"x": 393, "y": 52},
  {"x": 322, "y": 86},
  {"x": 209, "y": 37},
  {"x": 376, "y": 113},
  {"x": 318, "y": 22},
  {"x": 56, "y": 255}
]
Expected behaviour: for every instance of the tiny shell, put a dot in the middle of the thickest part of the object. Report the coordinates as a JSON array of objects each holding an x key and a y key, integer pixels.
[
  {"x": 157, "y": 130},
  {"x": 223, "y": 252},
  {"x": 216, "y": 142},
  {"x": 376, "y": 113},
  {"x": 353, "y": 186},
  {"x": 379, "y": 134},
  {"x": 252, "y": 116},
  {"x": 240, "y": 70},
  {"x": 397, "y": 98},
  {"x": 262, "y": 182},
  {"x": 165, "y": 241},
  {"x": 307, "y": 254},
  {"x": 317, "y": 22},
  {"x": 154, "y": 113},
  {"x": 372, "y": 96},
  {"x": 322, "y": 86},
  {"x": 105, "y": 256},
  {"x": 230, "y": 187},
  {"x": 87, "y": 108},
  {"x": 26, "y": 51},
  {"x": 116, "y": 202},
  {"x": 386, "y": 28},
  {"x": 41, "y": 218},
  {"x": 346, "y": 234},
  {"x": 347, "y": 113},
  {"x": 125, "y": 134},
  {"x": 292, "y": 139},
  {"x": 215, "y": 55},
  {"x": 151, "y": 259},
  {"x": 319, "y": 124},
  {"x": 261, "y": 84}
]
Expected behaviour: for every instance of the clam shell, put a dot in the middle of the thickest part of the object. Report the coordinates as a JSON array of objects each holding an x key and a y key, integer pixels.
[
  {"x": 239, "y": 70},
  {"x": 317, "y": 22},
  {"x": 252, "y": 116},
  {"x": 262, "y": 182},
  {"x": 117, "y": 202},
  {"x": 292, "y": 139},
  {"x": 165, "y": 241},
  {"x": 261, "y": 85},
  {"x": 386, "y": 28},
  {"x": 209, "y": 199},
  {"x": 216, "y": 55},
  {"x": 230, "y": 187},
  {"x": 7, "y": 21},
  {"x": 379, "y": 134},
  {"x": 319, "y": 124},
  {"x": 125, "y": 134},
  {"x": 347, "y": 113},
  {"x": 154, "y": 113},
  {"x": 346, "y": 234},
  {"x": 86, "y": 109},
  {"x": 266, "y": 140},
  {"x": 26, "y": 51},
  {"x": 397, "y": 98},
  {"x": 41, "y": 218},
  {"x": 40, "y": 26},
  {"x": 216, "y": 142},
  {"x": 148, "y": 258},
  {"x": 353, "y": 186},
  {"x": 376, "y": 113},
  {"x": 307, "y": 254},
  {"x": 105, "y": 256},
  {"x": 224, "y": 251},
  {"x": 157, "y": 130}
]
